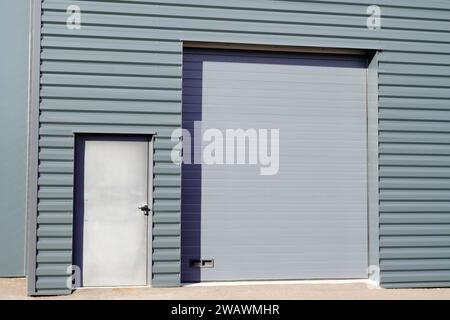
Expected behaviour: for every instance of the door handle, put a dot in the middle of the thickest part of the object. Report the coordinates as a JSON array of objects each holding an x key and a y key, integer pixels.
[{"x": 145, "y": 209}]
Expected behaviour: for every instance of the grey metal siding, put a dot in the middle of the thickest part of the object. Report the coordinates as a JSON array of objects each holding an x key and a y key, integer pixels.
[
  {"x": 122, "y": 71},
  {"x": 14, "y": 15}
]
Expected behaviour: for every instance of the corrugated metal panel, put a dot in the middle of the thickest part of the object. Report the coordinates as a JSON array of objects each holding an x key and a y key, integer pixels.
[
  {"x": 122, "y": 71},
  {"x": 108, "y": 85}
]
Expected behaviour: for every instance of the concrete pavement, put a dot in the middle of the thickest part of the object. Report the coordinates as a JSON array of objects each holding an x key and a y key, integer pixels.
[{"x": 16, "y": 289}]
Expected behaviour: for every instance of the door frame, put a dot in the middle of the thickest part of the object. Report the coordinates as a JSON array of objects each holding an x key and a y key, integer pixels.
[
  {"x": 373, "y": 189},
  {"x": 372, "y": 55},
  {"x": 150, "y": 137}
]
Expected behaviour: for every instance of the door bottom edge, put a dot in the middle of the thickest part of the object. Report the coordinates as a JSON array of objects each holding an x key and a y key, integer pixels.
[
  {"x": 115, "y": 287},
  {"x": 276, "y": 282}
]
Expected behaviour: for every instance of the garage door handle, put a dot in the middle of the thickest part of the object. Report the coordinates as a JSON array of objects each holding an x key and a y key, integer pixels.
[{"x": 145, "y": 209}]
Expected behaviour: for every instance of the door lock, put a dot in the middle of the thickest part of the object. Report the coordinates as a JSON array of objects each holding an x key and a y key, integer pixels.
[{"x": 145, "y": 209}]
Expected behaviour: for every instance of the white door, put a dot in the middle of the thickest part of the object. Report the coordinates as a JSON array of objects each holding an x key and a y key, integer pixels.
[{"x": 115, "y": 232}]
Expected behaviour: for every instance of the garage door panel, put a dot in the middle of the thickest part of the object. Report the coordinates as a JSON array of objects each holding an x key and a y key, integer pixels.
[
  {"x": 248, "y": 79},
  {"x": 309, "y": 221},
  {"x": 257, "y": 102},
  {"x": 267, "y": 89}
]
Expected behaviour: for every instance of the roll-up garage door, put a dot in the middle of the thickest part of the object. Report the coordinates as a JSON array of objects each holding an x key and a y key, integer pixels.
[{"x": 306, "y": 217}]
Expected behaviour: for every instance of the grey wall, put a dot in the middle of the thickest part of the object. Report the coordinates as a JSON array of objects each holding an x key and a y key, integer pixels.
[
  {"x": 122, "y": 71},
  {"x": 14, "y": 27}
]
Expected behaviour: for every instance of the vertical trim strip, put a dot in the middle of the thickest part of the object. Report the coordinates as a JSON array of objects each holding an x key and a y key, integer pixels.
[
  {"x": 33, "y": 142},
  {"x": 373, "y": 185},
  {"x": 150, "y": 204}
]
